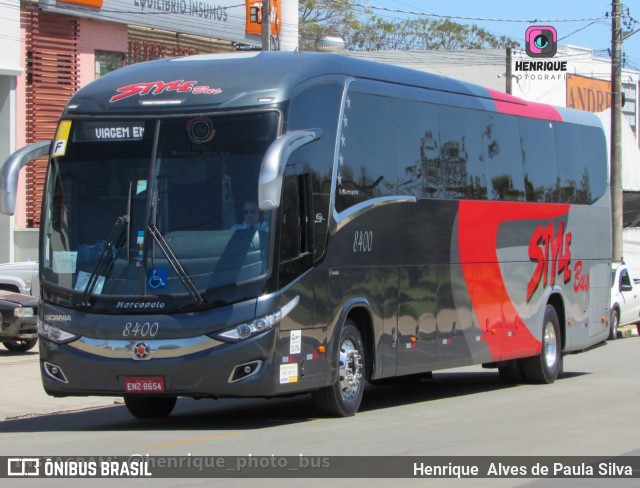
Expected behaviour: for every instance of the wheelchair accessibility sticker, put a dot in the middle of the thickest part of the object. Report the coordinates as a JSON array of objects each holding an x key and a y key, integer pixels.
[{"x": 157, "y": 278}]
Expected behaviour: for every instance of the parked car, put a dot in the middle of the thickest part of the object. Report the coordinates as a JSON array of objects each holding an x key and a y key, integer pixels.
[
  {"x": 20, "y": 277},
  {"x": 625, "y": 299},
  {"x": 18, "y": 317}
]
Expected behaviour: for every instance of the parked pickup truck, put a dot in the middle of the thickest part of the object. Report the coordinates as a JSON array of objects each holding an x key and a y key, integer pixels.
[
  {"x": 18, "y": 317},
  {"x": 20, "y": 277},
  {"x": 625, "y": 299}
]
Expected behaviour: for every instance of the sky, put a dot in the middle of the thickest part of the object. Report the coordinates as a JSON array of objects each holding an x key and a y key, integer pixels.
[{"x": 588, "y": 27}]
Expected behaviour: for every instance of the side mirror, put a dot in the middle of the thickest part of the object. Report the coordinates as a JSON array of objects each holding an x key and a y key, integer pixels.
[
  {"x": 11, "y": 169},
  {"x": 274, "y": 163}
]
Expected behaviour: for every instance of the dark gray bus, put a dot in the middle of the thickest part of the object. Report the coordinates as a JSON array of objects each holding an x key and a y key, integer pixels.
[{"x": 255, "y": 225}]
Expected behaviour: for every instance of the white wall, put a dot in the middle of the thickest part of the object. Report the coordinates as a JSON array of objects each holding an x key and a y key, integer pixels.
[{"x": 9, "y": 70}]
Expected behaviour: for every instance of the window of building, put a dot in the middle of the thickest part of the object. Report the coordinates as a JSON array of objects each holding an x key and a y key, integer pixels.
[{"x": 107, "y": 61}]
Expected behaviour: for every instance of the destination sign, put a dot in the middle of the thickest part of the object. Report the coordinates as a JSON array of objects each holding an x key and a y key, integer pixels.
[{"x": 108, "y": 131}]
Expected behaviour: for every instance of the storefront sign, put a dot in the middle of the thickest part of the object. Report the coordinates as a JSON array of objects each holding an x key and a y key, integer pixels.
[
  {"x": 588, "y": 93},
  {"x": 221, "y": 19}
]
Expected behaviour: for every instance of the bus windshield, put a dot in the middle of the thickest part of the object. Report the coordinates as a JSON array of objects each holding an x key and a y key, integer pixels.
[{"x": 163, "y": 207}]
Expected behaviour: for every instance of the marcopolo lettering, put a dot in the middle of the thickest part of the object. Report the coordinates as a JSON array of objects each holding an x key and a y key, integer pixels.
[
  {"x": 141, "y": 305},
  {"x": 541, "y": 66}
]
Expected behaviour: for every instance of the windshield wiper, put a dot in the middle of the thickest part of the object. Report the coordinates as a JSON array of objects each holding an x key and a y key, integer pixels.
[
  {"x": 105, "y": 258},
  {"x": 175, "y": 264}
]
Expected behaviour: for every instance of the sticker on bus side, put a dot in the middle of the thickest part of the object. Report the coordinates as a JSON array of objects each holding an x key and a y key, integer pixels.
[
  {"x": 288, "y": 373},
  {"x": 295, "y": 345},
  {"x": 62, "y": 137}
]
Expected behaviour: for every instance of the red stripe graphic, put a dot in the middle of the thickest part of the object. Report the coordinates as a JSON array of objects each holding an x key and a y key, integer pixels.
[
  {"x": 507, "y": 104},
  {"x": 478, "y": 225}
]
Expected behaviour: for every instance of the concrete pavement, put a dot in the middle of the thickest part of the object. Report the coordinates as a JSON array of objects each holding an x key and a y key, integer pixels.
[
  {"x": 23, "y": 395},
  {"x": 22, "y": 392}
]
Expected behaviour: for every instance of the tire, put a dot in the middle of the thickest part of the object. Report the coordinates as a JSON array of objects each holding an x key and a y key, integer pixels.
[
  {"x": 343, "y": 398},
  {"x": 150, "y": 407},
  {"x": 20, "y": 345},
  {"x": 615, "y": 321},
  {"x": 546, "y": 366}
]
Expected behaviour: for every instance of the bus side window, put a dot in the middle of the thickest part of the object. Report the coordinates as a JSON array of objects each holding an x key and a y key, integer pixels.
[
  {"x": 462, "y": 166},
  {"x": 366, "y": 168},
  {"x": 539, "y": 160},
  {"x": 594, "y": 150},
  {"x": 295, "y": 231},
  {"x": 573, "y": 174}
]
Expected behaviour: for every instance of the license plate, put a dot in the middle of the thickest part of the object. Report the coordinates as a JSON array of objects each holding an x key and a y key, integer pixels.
[{"x": 144, "y": 384}]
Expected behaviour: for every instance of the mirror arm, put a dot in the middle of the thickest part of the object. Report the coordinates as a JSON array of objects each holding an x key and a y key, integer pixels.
[
  {"x": 274, "y": 163},
  {"x": 11, "y": 170}
]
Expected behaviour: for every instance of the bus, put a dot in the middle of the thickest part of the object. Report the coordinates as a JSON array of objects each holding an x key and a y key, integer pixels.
[{"x": 408, "y": 223}]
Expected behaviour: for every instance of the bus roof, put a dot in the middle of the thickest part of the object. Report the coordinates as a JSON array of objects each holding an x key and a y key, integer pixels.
[{"x": 238, "y": 80}]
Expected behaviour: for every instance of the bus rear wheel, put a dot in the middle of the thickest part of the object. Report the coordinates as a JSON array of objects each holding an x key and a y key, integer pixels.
[
  {"x": 546, "y": 366},
  {"x": 343, "y": 398},
  {"x": 145, "y": 407}
]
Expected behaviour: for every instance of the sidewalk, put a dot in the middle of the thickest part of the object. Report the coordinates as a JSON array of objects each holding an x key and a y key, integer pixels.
[{"x": 23, "y": 395}]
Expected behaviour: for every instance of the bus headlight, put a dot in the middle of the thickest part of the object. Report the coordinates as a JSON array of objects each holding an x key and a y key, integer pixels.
[
  {"x": 54, "y": 334},
  {"x": 258, "y": 326}
]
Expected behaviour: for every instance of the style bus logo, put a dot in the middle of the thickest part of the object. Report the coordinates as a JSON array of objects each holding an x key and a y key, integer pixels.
[{"x": 541, "y": 41}]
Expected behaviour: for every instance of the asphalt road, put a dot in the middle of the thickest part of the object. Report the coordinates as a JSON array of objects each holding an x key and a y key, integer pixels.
[{"x": 593, "y": 411}]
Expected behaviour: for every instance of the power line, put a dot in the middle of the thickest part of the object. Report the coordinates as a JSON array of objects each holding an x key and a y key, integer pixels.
[{"x": 476, "y": 19}]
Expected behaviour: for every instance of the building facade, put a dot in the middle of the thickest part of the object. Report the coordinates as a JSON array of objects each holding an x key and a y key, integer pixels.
[{"x": 11, "y": 68}]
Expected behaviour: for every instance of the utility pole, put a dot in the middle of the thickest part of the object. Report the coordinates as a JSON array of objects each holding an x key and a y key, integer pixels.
[
  {"x": 509, "y": 74},
  {"x": 616, "y": 133},
  {"x": 266, "y": 25}
]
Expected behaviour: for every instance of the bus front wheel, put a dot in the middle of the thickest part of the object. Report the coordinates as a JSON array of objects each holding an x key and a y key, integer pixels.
[
  {"x": 145, "y": 407},
  {"x": 546, "y": 366},
  {"x": 343, "y": 398}
]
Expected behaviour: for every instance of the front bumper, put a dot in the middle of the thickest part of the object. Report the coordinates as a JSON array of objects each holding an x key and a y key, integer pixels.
[
  {"x": 19, "y": 328},
  {"x": 201, "y": 368}
]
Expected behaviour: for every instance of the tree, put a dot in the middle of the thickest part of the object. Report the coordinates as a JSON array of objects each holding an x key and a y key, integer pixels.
[
  {"x": 318, "y": 18},
  {"x": 422, "y": 33},
  {"x": 363, "y": 31}
]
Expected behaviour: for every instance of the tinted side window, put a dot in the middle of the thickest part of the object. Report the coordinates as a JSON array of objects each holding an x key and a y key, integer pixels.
[
  {"x": 539, "y": 160},
  {"x": 573, "y": 179},
  {"x": 461, "y": 167},
  {"x": 317, "y": 107},
  {"x": 366, "y": 166},
  {"x": 503, "y": 157},
  {"x": 417, "y": 148},
  {"x": 596, "y": 157},
  {"x": 624, "y": 279}
]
